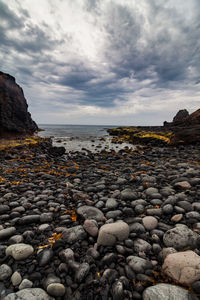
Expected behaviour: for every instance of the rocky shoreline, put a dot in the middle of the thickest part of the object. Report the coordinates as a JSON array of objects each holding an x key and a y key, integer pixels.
[{"x": 99, "y": 226}]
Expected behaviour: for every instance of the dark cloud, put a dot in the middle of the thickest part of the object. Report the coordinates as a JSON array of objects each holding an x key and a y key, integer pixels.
[{"x": 149, "y": 46}]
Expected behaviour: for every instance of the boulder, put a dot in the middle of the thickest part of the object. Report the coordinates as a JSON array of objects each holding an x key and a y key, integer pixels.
[
  {"x": 166, "y": 291},
  {"x": 180, "y": 237},
  {"x": 182, "y": 266},
  {"x": 14, "y": 115}
]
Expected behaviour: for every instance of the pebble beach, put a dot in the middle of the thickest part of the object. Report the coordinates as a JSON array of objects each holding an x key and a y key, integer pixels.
[{"x": 108, "y": 225}]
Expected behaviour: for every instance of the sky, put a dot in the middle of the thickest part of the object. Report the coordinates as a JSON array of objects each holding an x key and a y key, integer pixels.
[{"x": 109, "y": 62}]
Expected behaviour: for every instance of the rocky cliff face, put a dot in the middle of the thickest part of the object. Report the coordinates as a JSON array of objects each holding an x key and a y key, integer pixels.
[
  {"x": 186, "y": 127},
  {"x": 14, "y": 115}
]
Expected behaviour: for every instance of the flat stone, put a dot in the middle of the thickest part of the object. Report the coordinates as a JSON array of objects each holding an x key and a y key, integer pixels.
[
  {"x": 109, "y": 234},
  {"x": 138, "y": 264},
  {"x": 56, "y": 289},
  {"x": 4, "y": 209},
  {"x": 91, "y": 227},
  {"x": 16, "y": 278},
  {"x": 19, "y": 251},
  {"x": 150, "y": 222},
  {"x": 29, "y": 219},
  {"x": 151, "y": 191},
  {"x": 25, "y": 284},
  {"x": 166, "y": 291},
  {"x": 180, "y": 237},
  {"x": 74, "y": 234},
  {"x": 29, "y": 294},
  {"x": 141, "y": 245},
  {"x": 176, "y": 218},
  {"x": 82, "y": 272},
  {"x": 67, "y": 254},
  {"x": 7, "y": 232},
  {"x": 128, "y": 194},
  {"x": 5, "y": 271},
  {"x": 90, "y": 212},
  {"x": 184, "y": 185},
  {"x": 44, "y": 257},
  {"x": 182, "y": 266}
]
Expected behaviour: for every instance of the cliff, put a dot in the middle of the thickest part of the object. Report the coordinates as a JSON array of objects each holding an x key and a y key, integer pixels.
[{"x": 14, "y": 115}]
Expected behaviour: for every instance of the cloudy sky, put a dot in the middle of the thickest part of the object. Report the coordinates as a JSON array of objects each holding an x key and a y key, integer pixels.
[{"x": 121, "y": 62}]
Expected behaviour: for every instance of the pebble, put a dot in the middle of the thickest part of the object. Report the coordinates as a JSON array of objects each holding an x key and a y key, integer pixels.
[
  {"x": 177, "y": 218},
  {"x": 91, "y": 227},
  {"x": 16, "y": 278},
  {"x": 5, "y": 271},
  {"x": 109, "y": 234},
  {"x": 19, "y": 251},
  {"x": 7, "y": 232},
  {"x": 25, "y": 284},
  {"x": 150, "y": 222},
  {"x": 89, "y": 212},
  {"x": 71, "y": 235},
  {"x": 56, "y": 289}
]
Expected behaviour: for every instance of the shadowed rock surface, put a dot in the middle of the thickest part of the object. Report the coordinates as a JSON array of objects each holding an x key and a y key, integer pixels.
[{"x": 14, "y": 115}]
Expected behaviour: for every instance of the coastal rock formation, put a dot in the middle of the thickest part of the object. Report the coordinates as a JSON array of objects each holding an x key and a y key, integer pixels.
[{"x": 14, "y": 115}]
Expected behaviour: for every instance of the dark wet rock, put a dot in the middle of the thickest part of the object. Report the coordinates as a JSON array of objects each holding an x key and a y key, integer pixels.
[
  {"x": 82, "y": 272},
  {"x": 180, "y": 237},
  {"x": 5, "y": 272},
  {"x": 4, "y": 209},
  {"x": 141, "y": 245},
  {"x": 113, "y": 214},
  {"x": 117, "y": 290},
  {"x": 74, "y": 234},
  {"x": 7, "y": 232},
  {"x": 29, "y": 219},
  {"x": 44, "y": 257},
  {"x": 128, "y": 194},
  {"x": 138, "y": 264}
]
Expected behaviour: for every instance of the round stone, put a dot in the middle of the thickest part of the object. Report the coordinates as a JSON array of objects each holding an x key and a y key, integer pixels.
[
  {"x": 25, "y": 284},
  {"x": 89, "y": 212},
  {"x": 150, "y": 222},
  {"x": 90, "y": 227},
  {"x": 16, "y": 278},
  {"x": 56, "y": 289},
  {"x": 5, "y": 272},
  {"x": 19, "y": 251}
]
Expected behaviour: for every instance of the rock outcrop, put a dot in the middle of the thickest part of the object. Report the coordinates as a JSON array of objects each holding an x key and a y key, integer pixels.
[
  {"x": 186, "y": 128},
  {"x": 14, "y": 115}
]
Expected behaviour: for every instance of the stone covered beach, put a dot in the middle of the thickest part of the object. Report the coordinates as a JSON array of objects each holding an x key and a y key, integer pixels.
[{"x": 99, "y": 226}]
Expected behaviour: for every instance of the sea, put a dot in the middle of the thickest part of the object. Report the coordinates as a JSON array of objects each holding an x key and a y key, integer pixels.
[{"x": 82, "y": 138}]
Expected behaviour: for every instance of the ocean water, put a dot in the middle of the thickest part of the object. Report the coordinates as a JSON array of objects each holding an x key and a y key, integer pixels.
[{"x": 81, "y": 138}]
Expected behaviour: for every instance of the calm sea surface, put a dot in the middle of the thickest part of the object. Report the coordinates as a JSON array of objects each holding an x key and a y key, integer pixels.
[{"x": 81, "y": 137}]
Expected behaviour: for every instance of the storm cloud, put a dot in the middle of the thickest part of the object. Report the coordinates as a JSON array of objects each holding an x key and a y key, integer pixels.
[{"x": 103, "y": 61}]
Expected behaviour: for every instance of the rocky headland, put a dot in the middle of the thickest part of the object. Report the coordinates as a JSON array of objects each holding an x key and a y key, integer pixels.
[
  {"x": 14, "y": 116},
  {"x": 184, "y": 129}
]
